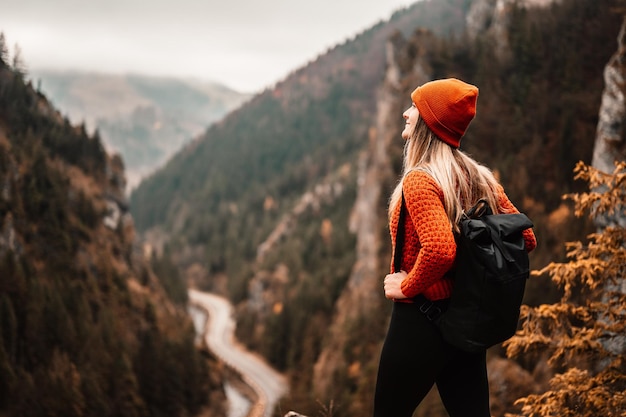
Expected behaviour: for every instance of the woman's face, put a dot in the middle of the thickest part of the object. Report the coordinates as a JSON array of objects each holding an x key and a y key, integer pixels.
[{"x": 410, "y": 116}]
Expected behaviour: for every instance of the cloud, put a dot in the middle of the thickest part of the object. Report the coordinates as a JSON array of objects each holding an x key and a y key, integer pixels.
[{"x": 245, "y": 44}]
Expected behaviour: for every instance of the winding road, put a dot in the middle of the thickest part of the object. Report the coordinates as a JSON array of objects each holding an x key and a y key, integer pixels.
[{"x": 268, "y": 384}]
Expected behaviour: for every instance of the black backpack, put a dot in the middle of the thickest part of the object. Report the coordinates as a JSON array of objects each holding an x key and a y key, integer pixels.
[
  {"x": 492, "y": 267},
  {"x": 490, "y": 275}
]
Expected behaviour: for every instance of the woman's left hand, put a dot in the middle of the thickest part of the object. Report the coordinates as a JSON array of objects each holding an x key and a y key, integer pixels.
[{"x": 392, "y": 285}]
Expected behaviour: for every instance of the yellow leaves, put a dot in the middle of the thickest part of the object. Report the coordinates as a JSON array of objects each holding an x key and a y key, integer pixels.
[
  {"x": 580, "y": 271},
  {"x": 583, "y": 332},
  {"x": 523, "y": 342},
  {"x": 590, "y": 265},
  {"x": 575, "y": 393},
  {"x": 564, "y": 329},
  {"x": 354, "y": 370},
  {"x": 326, "y": 231},
  {"x": 609, "y": 192},
  {"x": 277, "y": 308}
]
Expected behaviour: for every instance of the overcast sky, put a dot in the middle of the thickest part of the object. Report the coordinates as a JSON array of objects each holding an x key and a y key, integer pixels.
[{"x": 245, "y": 44}]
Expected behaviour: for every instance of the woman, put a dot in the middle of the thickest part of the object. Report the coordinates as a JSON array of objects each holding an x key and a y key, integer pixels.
[{"x": 439, "y": 182}]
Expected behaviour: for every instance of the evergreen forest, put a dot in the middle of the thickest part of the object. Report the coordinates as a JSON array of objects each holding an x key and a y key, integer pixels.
[{"x": 87, "y": 327}]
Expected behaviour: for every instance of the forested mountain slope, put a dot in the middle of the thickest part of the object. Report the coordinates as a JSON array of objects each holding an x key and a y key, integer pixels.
[
  {"x": 281, "y": 205},
  {"x": 86, "y": 326},
  {"x": 248, "y": 170},
  {"x": 144, "y": 119}
]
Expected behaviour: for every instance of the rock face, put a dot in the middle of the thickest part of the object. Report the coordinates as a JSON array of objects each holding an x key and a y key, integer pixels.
[
  {"x": 364, "y": 288},
  {"x": 610, "y": 145},
  {"x": 490, "y": 18},
  {"x": 481, "y": 17},
  {"x": 362, "y": 284}
]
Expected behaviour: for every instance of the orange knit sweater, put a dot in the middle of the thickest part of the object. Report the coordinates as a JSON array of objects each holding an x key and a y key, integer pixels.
[{"x": 429, "y": 249}]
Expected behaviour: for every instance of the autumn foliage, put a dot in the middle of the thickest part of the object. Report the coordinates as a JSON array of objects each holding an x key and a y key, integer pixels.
[{"x": 583, "y": 335}]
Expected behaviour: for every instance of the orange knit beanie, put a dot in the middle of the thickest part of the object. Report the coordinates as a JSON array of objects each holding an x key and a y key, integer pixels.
[{"x": 447, "y": 106}]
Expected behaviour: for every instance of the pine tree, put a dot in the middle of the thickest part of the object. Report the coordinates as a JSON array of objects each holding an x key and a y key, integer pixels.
[
  {"x": 19, "y": 66},
  {"x": 4, "y": 51},
  {"x": 583, "y": 332}
]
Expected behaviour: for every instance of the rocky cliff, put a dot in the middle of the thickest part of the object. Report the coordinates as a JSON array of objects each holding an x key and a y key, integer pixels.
[
  {"x": 610, "y": 147},
  {"x": 610, "y": 143},
  {"x": 361, "y": 300},
  {"x": 490, "y": 19}
]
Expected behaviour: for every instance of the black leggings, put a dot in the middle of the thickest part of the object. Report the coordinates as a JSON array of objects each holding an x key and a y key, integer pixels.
[{"x": 414, "y": 357}]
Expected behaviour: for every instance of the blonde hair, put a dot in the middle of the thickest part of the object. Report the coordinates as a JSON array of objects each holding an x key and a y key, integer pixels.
[{"x": 463, "y": 180}]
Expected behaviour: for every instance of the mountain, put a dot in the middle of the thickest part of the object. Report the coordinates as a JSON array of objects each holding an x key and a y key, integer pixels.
[
  {"x": 266, "y": 154},
  {"x": 88, "y": 325},
  {"x": 145, "y": 119},
  {"x": 281, "y": 205}
]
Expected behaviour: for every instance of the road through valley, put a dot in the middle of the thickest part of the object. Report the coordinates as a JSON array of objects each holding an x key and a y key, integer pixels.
[{"x": 269, "y": 385}]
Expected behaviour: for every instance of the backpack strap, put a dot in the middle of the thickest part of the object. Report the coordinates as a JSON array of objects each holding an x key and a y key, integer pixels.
[
  {"x": 397, "y": 253},
  {"x": 431, "y": 309},
  {"x": 479, "y": 209}
]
